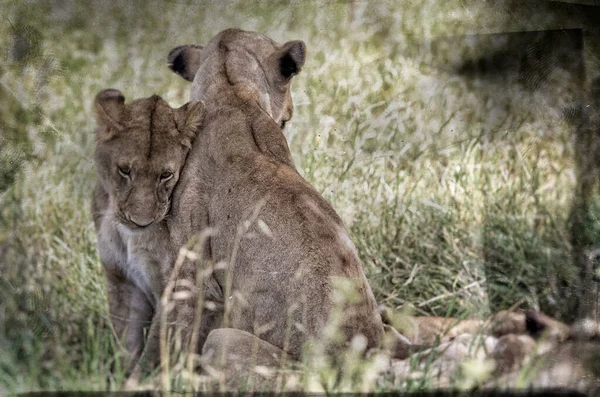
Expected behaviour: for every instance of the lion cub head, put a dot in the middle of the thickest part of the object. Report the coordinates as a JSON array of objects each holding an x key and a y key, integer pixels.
[
  {"x": 141, "y": 148},
  {"x": 247, "y": 61}
]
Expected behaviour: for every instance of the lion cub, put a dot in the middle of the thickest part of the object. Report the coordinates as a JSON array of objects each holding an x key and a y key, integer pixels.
[{"x": 141, "y": 148}]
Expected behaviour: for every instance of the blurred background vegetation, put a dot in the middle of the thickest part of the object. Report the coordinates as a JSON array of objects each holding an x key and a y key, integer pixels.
[{"x": 454, "y": 152}]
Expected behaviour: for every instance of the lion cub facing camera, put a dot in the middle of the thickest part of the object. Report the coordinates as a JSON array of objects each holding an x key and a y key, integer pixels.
[{"x": 141, "y": 148}]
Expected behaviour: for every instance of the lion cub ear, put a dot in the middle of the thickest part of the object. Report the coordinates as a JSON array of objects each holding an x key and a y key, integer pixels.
[
  {"x": 188, "y": 120},
  {"x": 185, "y": 60},
  {"x": 109, "y": 105},
  {"x": 290, "y": 59}
]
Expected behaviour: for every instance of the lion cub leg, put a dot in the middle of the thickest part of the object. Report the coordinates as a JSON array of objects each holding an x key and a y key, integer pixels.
[
  {"x": 242, "y": 360},
  {"x": 149, "y": 356},
  {"x": 130, "y": 313}
]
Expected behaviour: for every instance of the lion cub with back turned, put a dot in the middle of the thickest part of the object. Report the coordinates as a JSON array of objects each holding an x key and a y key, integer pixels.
[{"x": 141, "y": 148}]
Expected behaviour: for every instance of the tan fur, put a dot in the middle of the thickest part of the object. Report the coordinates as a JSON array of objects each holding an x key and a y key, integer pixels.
[
  {"x": 240, "y": 172},
  {"x": 511, "y": 351},
  {"x": 558, "y": 357},
  {"x": 235, "y": 354},
  {"x": 149, "y": 141},
  {"x": 429, "y": 329}
]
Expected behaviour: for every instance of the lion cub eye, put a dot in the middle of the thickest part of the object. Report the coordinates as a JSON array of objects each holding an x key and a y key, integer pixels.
[
  {"x": 165, "y": 176},
  {"x": 124, "y": 171}
]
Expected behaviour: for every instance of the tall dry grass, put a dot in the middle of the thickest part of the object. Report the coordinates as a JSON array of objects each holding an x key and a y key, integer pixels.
[{"x": 456, "y": 191}]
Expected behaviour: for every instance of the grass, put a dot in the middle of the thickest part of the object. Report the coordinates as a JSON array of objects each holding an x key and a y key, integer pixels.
[{"x": 456, "y": 198}]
